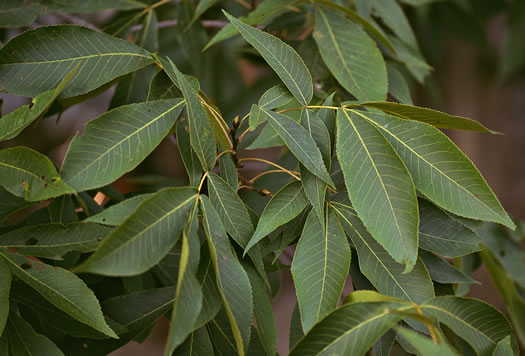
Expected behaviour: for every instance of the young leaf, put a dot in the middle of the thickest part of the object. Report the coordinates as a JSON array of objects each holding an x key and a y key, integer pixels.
[
  {"x": 61, "y": 288},
  {"x": 117, "y": 141},
  {"x": 285, "y": 205},
  {"x": 351, "y": 55},
  {"x": 116, "y": 214},
  {"x": 232, "y": 280},
  {"x": 14, "y": 122},
  {"x": 36, "y": 60},
  {"x": 23, "y": 340},
  {"x": 188, "y": 297},
  {"x": 379, "y": 186},
  {"x": 379, "y": 268},
  {"x": 440, "y": 170},
  {"x": 54, "y": 240},
  {"x": 349, "y": 330},
  {"x": 424, "y": 345},
  {"x": 272, "y": 98},
  {"x": 444, "y": 235},
  {"x": 428, "y": 116},
  {"x": 320, "y": 267},
  {"x": 156, "y": 222},
  {"x": 5, "y": 286},
  {"x": 201, "y": 133},
  {"x": 481, "y": 325},
  {"x": 300, "y": 143},
  {"x": 283, "y": 59},
  {"x": 30, "y": 175}
]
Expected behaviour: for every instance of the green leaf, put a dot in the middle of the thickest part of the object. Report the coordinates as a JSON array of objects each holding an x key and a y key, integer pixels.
[
  {"x": 4, "y": 344},
  {"x": 156, "y": 222},
  {"x": 198, "y": 343},
  {"x": 429, "y": 116},
  {"x": 481, "y": 325},
  {"x": 201, "y": 133},
  {"x": 296, "y": 329},
  {"x": 201, "y": 8},
  {"x": 283, "y": 59},
  {"x": 188, "y": 297},
  {"x": 54, "y": 240},
  {"x": 5, "y": 287},
  {"x": 379, "y": 186},
  {"x": 117, "y": 141},
  {"x": 503, "y": 348},
  {"x": 285, "y": 205},
  {"x": 444, "y": 235},
  {"x": 300, "y": 143},
  {"x": 423, "y": 344},
  {"x": 221, "y": 335},
  {"x": 10, "y": 204},
  {"x": 272, "y": 98},
  {"x": 231, "y": 210},
  {"x": 138, "y": 311},
  {"x": 30, "y": 175},
  {"x": 228, "y": 171},
  {"x": 393, "y": 16},
  {"x": 383, "y": 346},
  {"x": 31, "y": 64},
  {"x": 440, "y": 170},
  {"x": 351, "y": 55},
  {"x": 264, "y": 318},
  {"x": 62, "y": 210},
  {"x": 162, "y": 87},
  {"x": 320, "y": 267},
  {"x": 14, "y": 122},
  {"x": 81, "y": 6},
  {"x": 349, "y": 330},
  {"x": 506, "y": 287},
  {"x": 232, "y": 280},
  {"x": 211, "y": 302},
  {"x": 24, "y": 341},
  {"x": 443, "y": 272},
  {"x": 397, "y": 84},
  {"x": 382, "y": 271},
  {"x": 17, "y": 13},
  {"x": 189, "y": 158},
  {"x": 61, "y": 288},
  {"x": 116, "y": 214}
]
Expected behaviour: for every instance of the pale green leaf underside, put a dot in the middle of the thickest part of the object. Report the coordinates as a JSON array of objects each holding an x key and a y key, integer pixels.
[
  {"x": 351, "y": 55},
  {"x": 283, "y": 59},
  {"x": 320, "y": 266},
  {"x": 379, "y": 186},
  {"x": 54, "y": 240},
  {"x": 117, "y": 141},
  {"x": 116, "y": 214},
  {"x": 440, "y": 170},
  {"x": 61, "y": 288},
  {"x": 232, "y": 280},
  {"x": 36, "y": 60},
  {"x": 145, "y": 237},
  {"x": 30, "y": 175},
  {"x": 349, "y": 330},
  {"x": 285, "y": 205},
  {"x": 481, "y": 325},
  {"x": 381, "y": 270}
]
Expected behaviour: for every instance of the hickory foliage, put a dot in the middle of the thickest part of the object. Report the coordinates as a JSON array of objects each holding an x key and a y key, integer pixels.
[{"x": 365, "y": 190}]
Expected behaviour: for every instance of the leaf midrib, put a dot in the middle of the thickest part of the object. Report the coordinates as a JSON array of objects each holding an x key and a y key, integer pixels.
[
  {"x": 430, "y": 164},
  {"x": 78, "y": 58},
  {"x": 400, "y": 234},
  {"x": 371, "y": 250},
  {"x": 125, "y": 139}
]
